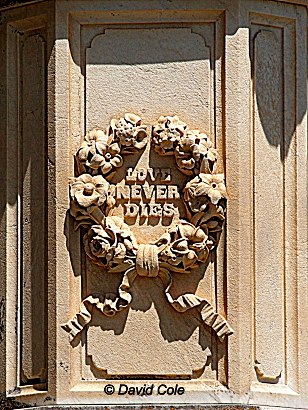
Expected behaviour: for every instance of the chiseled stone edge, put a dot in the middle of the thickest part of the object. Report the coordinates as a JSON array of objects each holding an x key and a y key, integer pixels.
[
  {"x": 166, "y": 407},
  {"x": 152, "y": 407},
  {"x": 10, "y": 403},
  {"x": 14, "y": 3}
]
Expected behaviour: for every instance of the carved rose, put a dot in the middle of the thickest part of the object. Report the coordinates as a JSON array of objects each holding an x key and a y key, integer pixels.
[
  {"x": 94, "y": 143},
  {"x": 111, "y": 245},
  {"x": 187, "y": 245},
  {"x": 129, "y": 132},
  {"x": 204, "y": 188},
  {"x": 101, "y": 246},
  {"x": 195, "y": 153},
  {"x": 211, "y": 219},
  {"x": 167, "y": 133}
]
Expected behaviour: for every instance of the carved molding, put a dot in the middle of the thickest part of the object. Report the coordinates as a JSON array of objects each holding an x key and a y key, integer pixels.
[
  {"x": 264, "y": 378},
  {"x": 109, "y": 241}
]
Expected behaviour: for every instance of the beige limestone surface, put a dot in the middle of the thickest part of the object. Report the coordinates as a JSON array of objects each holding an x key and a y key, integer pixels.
[{"x": 237, "y": 72}]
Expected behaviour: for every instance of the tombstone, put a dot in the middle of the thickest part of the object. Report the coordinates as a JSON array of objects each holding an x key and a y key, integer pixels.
[{"x": 153, "y": 204}]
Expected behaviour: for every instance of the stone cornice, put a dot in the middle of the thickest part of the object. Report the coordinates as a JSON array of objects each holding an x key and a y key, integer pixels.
[{"x": 5, "y": 4}]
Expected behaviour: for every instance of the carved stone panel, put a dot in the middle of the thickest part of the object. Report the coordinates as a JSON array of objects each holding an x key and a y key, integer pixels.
[
  {"x": 152, "y": 67},
  {"x": 146, "y": 226},
  {"x": 274, "y": 142},
  {"x": 133, "y": 61},
  {"x": 153, "y": 207}
]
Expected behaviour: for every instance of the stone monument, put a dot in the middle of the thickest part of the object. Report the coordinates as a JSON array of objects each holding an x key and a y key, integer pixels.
[{"x": 153, "y": 204}]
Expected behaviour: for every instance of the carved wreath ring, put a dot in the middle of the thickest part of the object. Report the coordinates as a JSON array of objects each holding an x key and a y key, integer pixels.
[{"x": 110, "y": 243}]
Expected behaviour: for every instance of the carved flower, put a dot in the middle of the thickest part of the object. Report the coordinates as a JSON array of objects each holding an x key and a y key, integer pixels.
[
  {"x": 195, "y": 153},
  {"x": 87, "y": 190},
  {"x": 129, "y": 131},
  {"x": 101, "y": 245},
  {"x": 106, "y": 160},
  {"x": 204, "y": 188},
  {"x": 187, "y": 245},
  {"x": 167, "y": 133},
  {"x": 94, "y": 143},
  {"x": 89, "y": 195},
  {"x": 205, "y": 153},
  {"x": 211, "y": 219},
  {"x": 111, "y": 245}
]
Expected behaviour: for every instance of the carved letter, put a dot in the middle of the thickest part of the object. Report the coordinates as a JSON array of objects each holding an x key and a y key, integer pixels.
[
  {"x": 130, "y": 175},
  {"x": 161, "y": 192},
  {"x": 136, "y": 192},
  {"x": 142, "y": 174},
  {"x": 153, "y": 173},
  {"x": 123, "y": 192},
  {"x": 112, "y": 191},
  {"x": 155, "y": 210},
  {"x": 168, "y": 210},
  {"x": 148, "y": 191},
  {"x": 173, "y": 192},
  {"x": 131, "y": 210},
  {"x": 143, "y": 211},
  {"x": 165, "y": 175}
]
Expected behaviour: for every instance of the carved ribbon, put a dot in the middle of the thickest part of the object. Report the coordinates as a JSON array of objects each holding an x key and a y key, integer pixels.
[
  {"x": 147, "y": 265},
  {"x": 188, "y": 301},
  {"x": 147, "y": 260},
  {"x": 109, "y": 306}
]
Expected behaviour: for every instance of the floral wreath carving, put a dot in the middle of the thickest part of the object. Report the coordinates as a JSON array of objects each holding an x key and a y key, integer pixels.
[{"x": 109, "y": 242}]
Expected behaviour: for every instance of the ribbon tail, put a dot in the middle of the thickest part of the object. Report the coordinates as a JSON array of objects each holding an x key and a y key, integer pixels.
[
  {"x": 113, "y": 303},
  {"x": 108, "y": 307},
  {"x": 127, "y": 281},
  {"x": 82, "y": 318},
  {"x": 188, "y": 301}
]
